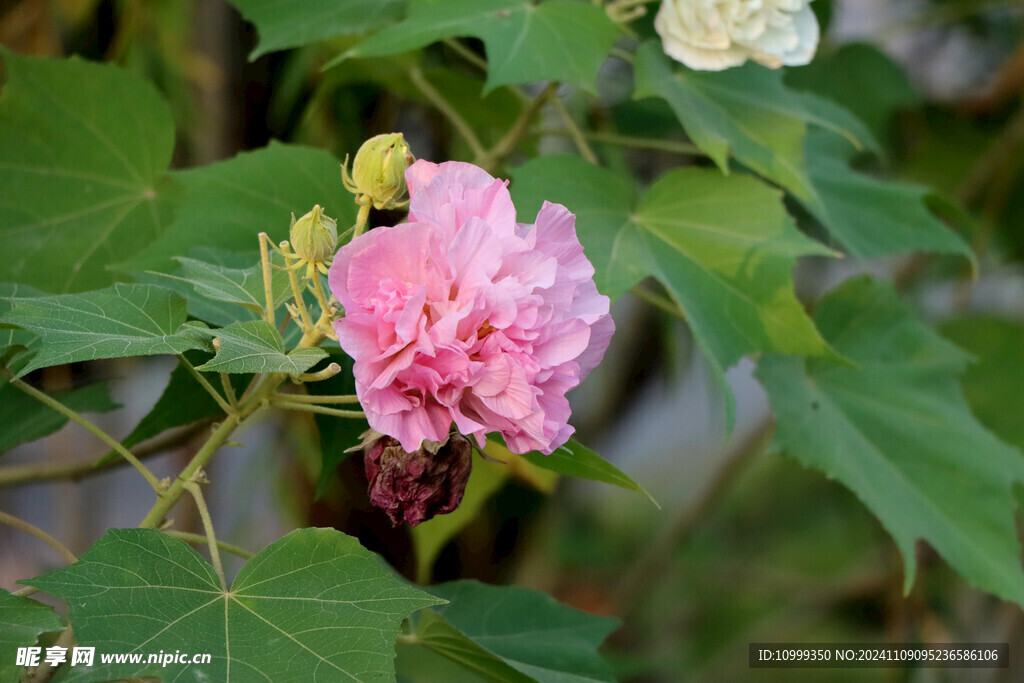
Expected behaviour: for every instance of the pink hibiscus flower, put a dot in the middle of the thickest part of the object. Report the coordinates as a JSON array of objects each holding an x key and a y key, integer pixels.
[{"x": 463, "y": 315}]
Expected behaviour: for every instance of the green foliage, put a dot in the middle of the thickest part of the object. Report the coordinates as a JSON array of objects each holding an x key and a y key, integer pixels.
[
  {"x": 560, "y": 40},
  {"x": 243, "y": 286},
  {"x": 312, "y": 606},
  {"x": 746, "y": 112},
  {"x": 26, "y": 419},
  {"x": 994, "y": 382},
  {"x": 227, "y": 204},
  {"x": 527, "y": 631},
  {"x": 895, "y": 429},
  {"x": 576, "y": 460},
  {"x": 290, "y": 24},
  {"x": 22, "y": 621},
  {"x": 871, "y": 217},
  {"x": 117, "y": 322},
  {"x": 257, "y": 347},
  {"x": 723, "y": 247},
  {"x": 83, "y": 148}
]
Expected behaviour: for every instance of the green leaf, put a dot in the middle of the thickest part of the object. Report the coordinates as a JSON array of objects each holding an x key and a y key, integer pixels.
[
  {"x": 895, "y": 429},
  {"x": 576, "y": 460},
  {"x": 312, "y": 606},
  {"x": 256, "y": 347},
  {"x": 529, "y": 631},
  {"x": 117, "y": 322},
  {"x": 83, "y": 149},
  {"x": 994, "y": 383},
  {"x": 22, "y": 621},
  {"x": 242, "y": 286},
  {"x": 430, "y": 537},
  {"x": 26, "y": 419},
  {"x": 861, "y": 78},
  {"x": 302, "y": 22},
  {"x": 746, "y": 112},
  {"x": 436, "y": 634},
  {"x": 723, "y": 247},
  {"x": 560, "y": 40},
  {"x": 871, "y": 217},
  {"x": 13, "y": 336},
  {"x": 227, "y": 204}
]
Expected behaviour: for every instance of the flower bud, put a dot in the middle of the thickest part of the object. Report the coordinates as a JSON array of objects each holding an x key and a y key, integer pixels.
[
  {"x": 413, "y": 487},
  {"x": 378, "y": 172},
  {"x": 314, "y": 237}
]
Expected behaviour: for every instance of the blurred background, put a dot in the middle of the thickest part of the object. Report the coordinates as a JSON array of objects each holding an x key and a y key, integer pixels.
[{"x": 748, "y": 546}]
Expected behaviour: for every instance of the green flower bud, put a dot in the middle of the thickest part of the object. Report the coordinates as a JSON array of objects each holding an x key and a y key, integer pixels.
[
  {"x": 314, "y": 237},
  {"x": 378, "y": 172}
]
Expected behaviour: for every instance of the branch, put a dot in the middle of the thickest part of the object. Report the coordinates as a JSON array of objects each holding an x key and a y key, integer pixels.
[
  {"x": 442, "y": 105},
  {"x": 17, "y": 523}
]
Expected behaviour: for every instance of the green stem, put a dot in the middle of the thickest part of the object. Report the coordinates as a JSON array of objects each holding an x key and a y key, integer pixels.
[
  {"x": 320, "y": 375},
  {"x": 229, "y": 391},
  {"x": 92, "y": 428},
  {"x": 658, "y": 301},
  {"x": 311, "y": 408},
  {"x": 165, "y": 500},
  {"x": 194, "y": 488},
  {"x": 199, "y": 538},
  {"x": 671, "y": 146},
  {"x": 518, "y": 130},
  {"x": 313, "y": 398},
  {"x": 17, "y": 523},
  {"x": 205, "y": 384},
  {"x": 268, "y": 289},
  {"x": 361, "y": 219},
  {"x": 300, "y": 303},
  {"x": 73, "y": 471},
  {"x": 467, "y": 54},
  {"x": 574, "y": 131},
  {"x": 446, "y": 109}
]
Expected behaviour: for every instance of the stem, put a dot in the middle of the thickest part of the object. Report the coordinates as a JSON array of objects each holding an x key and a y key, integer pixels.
[
  {"x": 199, "y": 538},
  {"x": 672, "y": 146},
  {"x": 361, "y": 219},
  {"x": 574, "y": 131},
  {"x": 96, "y": 431},
  {"x": 318, "y": 290},
  {"x": 312, "y": 398},
  {"x": 73, "y": 471},
  {"x": 17, "y": 523},
  {"x": 310, "y": 408},
  {"x": 268, "y": 289},
  {"x": 518, "y": 130},
  {"x": 300, "y": 303},
  {"x": 205, "y": 384},
  {"x": 66, "y": 640},
  {"x": 446, "y": 109},
  {"x": 658, "y": 301},
  {"x": 320, "y": 375},
  {"x": 650, "y": 566},
  {"x": 229, "y": 391},
  {"x": 211, "y": 539},
  {"x": 467, "y": 54}
]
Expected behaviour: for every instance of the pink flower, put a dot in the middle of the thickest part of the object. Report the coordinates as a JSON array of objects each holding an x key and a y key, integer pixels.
[{"x": 463, "y": 315}]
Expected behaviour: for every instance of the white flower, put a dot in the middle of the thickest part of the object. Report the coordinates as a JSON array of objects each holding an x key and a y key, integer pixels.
[{"x": 711, "y": 35}]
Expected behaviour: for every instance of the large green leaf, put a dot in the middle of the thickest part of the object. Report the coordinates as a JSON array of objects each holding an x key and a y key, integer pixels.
[
  {"x": 15, "y": 336},
  {"x": 895, "y": 429},
  {"x": 243, "y": 286},
  {"x": 724, "y": 248},
  {"x": 576, "y": 460},
  {"x": 437, "y": 635},
  {"x": 256, "y": 347},
  {"x": 120, "y": 321},
  {"x": 867, "y": 216},
  {"x": 22, "y": 621},
  {"x": 528, "y": 631},
  {"x": 227, "y": 204},
  {"x": 83, "y": 149},
  {"x": 294, "y": 23},
  {"x": 560, "y": 40},
  {"x": 994, "y": 383},
  {"x": 746, "y": 112},
  {"x": 26, "y": 419},
  {"x": 313, "y": 606}
]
